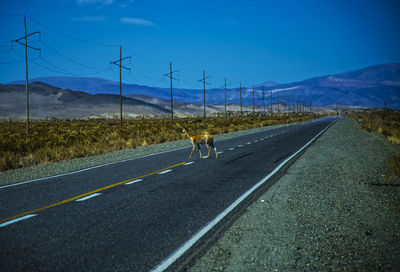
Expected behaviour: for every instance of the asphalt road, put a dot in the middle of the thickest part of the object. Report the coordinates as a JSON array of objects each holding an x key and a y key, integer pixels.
[{"x": 130, "y": 216}]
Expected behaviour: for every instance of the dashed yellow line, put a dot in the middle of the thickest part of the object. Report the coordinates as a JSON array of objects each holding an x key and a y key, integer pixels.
[{"x": 85, "y": 194}]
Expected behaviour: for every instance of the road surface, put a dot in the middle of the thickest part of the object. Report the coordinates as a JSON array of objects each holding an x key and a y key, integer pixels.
[{"x": 148, "y": 213}]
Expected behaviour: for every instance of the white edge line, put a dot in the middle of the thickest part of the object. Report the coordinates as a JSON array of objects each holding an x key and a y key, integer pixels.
[
  {"x": 89, "y": 168},
  {"x": 165, "y": 171},
  {"x": 88, "y": 197},
  {"x": 197, "y": 236},
  {"x": 133, "y": 181},
  {"x": 188, "y": 163},
  {"x": 17, "y": 219},
  {"x": 111, "y": 163}
]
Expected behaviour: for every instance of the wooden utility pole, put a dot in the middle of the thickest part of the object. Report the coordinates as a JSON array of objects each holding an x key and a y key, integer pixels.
[
  {"x": 253, "y": 104},
  {"x": 172, "y": 103},
  {"x": 119, "y": 63},
  {"x": 171, "y": 78},
  {"x": 204, "y": 90},
  {"x": 278, "y": 101},
  {"x": 271, "y": 102},
  {"x": 225, "y": 97},
  {"x": 120, "y": 84},
  {"x": 299, "y": 104},
  {"x": 263, "y": 99},
  {"x": 26, "y": 70},
  {"x": 27, "y": 80},
  {"x": 241, "y": 111}
]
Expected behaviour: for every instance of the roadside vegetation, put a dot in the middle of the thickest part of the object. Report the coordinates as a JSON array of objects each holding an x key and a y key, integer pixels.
[
  {"x": 386, "y": 122},
  {"x": 63, "y": 139}
]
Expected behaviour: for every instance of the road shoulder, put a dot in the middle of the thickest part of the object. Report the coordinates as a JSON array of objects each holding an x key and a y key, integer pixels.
[{"x": 329, "y": 212}]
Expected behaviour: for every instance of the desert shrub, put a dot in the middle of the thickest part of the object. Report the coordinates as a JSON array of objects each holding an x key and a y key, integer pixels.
[
  {"x": 63, "y": 139},
  {"x": 394, "y": 165},
  {"x": 387, "y": 123}
]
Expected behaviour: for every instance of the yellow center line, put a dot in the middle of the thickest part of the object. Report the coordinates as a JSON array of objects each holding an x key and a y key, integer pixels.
[{"x": 85, "y": 194}]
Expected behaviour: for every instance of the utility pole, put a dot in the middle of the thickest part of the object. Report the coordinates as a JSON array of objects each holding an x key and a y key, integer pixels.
[
  {"x": 278, "y": 101},
  {"x": 225, "y": 96},
  {"x": 300, "y": 105},
  {"x": 204, "y": 88},
  {"x": 119, "y": 63},
  {"x": 263, "y": 99},
  {"x": 253, "y": 103},
  {"x": 171, "y": 78},
  {"x": 241, "y": 111},
  {"x": 26, "y": 69},
  {"x": 271, "y": 102}
]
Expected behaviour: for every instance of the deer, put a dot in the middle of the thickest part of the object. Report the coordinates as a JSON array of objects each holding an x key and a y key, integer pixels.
[{"x": 206, "y": 139}]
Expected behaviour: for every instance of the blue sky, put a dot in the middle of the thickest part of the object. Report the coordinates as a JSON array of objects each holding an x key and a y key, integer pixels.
[{"x": 245, "y": 41}]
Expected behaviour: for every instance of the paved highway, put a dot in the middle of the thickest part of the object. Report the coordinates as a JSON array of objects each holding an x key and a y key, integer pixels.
[{"x": 148, "y": 213}]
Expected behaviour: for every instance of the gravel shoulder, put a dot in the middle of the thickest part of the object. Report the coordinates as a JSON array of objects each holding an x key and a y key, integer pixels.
[
  {"x": 331, "y": 211},
  {"x": 56, "y": 168}
]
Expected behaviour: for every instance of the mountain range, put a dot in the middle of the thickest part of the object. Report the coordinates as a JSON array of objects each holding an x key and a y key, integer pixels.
[{"x": 374, "y": 86}]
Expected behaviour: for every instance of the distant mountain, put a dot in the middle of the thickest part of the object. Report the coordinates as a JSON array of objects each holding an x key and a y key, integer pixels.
[
  {"x": 374, "y": 86},
  {"x": 50, "y": 101}
]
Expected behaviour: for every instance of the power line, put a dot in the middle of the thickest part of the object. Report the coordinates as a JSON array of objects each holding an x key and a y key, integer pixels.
[
  {"x": 59, "y": 70},
  {"x": 147, "y": 76},
  {"x": 70, "y": 36},
  {"x": 6, "y": 50},
  {"x": 189, "y": 84},
  {"x": 145, "y": 58},
  {"x": 12, "y": 62},
  {"x": 69, "y": 59}
]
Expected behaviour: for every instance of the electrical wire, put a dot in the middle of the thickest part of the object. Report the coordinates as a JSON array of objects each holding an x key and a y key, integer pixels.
[
  {"x": 145, "y": 58},
  {"x": 60, "y": 70},
  {"x": 6, "y": 50},
  {"x": 12, "y": 62},
  {"x": 69, "y": 59},
  {"x": 148, "y": 77},
  {"x": 70, "y": 36}
]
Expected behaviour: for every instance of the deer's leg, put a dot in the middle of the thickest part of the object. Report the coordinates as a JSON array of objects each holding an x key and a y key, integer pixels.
[
  {"x": 215, "y": 150},
  {"x": 192, "y": 151},
  {"x": 209, "y": 151},
  {"x": 198, "y": 146}
]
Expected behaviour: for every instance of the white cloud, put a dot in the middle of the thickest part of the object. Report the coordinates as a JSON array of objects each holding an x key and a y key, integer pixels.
[
  {"x": 136, "y": 21},
  {"x": 88, "y": 19},
  {"x": 101, "y": 2}
]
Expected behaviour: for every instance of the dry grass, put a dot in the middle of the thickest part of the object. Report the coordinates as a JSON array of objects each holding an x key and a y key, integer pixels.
[
  {"x": 386, "y": 122},
  {"x": 57, "y": 140}
]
